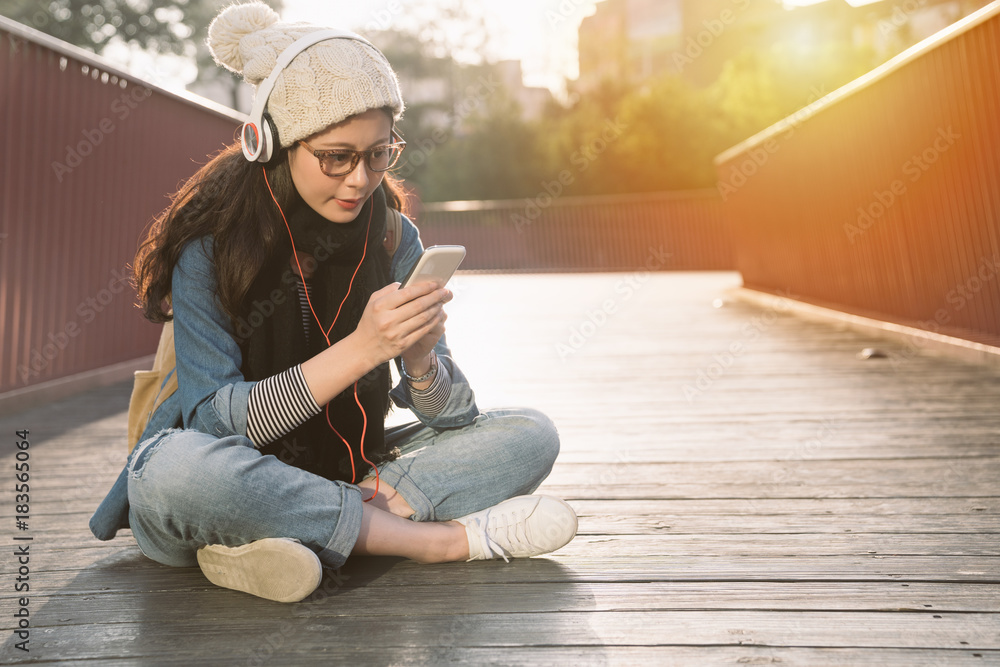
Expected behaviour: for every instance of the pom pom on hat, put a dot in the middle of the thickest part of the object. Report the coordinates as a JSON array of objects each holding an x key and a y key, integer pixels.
[
  {"x": 328, "y": 82},
  {"x": 232, "y": 25}
]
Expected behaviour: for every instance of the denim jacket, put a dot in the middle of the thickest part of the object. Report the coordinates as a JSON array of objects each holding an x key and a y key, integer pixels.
[{"x": 212, "y": 395}]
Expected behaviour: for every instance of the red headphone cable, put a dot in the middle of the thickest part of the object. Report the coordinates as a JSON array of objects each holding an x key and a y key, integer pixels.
[{"x": 326, "y": 336}]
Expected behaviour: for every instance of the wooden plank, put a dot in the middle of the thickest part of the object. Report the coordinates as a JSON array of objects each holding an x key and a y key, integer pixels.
[
  {"x": 355, "y": 599},
  {"x": 644, "y": 491},
  {"x": 972, "y": 632},
  {"x": 801, "y": 472},
  {"x": 580, "y": 489},
  {"x": 746, "y": 522},
  {"x": 624, "y": 567},
  {"x": 82, "y": 548},
  {"x": 795, "y": 506},
  {"x": 274, "y": 649},
  {"x": 750, "y": 524}
]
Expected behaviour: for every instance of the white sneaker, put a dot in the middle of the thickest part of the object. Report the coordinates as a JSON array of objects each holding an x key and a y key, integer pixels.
[
  {"x": 275, "y": 568},
  {"x": 520, "y": 527}
]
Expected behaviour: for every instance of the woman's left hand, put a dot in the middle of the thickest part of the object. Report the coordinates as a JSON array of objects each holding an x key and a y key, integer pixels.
[{"x": 417, "y": 358}]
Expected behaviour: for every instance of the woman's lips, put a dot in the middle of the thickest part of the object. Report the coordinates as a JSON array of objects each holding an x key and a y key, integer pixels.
[{"x": 348, "y": 203}]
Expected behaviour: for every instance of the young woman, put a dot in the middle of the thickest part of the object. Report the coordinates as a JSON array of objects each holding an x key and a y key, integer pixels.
[{"x": 272, "y": 458}]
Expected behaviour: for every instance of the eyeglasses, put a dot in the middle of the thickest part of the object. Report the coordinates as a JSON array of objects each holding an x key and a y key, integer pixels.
[{"x": 343, "y": 161}]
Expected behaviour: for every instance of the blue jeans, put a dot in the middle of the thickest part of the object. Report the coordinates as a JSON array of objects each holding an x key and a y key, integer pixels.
[{"x": 187, "y": 489}]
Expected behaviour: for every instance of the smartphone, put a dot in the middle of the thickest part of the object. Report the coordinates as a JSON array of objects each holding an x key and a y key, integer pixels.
[{"x": 436, "y": 264}]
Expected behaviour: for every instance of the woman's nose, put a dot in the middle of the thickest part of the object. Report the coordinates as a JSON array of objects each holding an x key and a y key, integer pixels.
[{"x": 359, "y": 177}]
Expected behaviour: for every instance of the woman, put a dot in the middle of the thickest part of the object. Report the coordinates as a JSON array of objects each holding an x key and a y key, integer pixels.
[{"x": 272, "y": 458}]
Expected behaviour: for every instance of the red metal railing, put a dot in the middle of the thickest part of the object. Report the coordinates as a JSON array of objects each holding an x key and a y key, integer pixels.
[
  {"x": 883, "y": 198},
  {"x": 663, "y": 231},
  {"x": 89, "y": 156}
]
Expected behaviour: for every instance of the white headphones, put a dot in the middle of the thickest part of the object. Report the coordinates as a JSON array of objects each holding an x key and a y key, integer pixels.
[{"x": 257, "y": 137}]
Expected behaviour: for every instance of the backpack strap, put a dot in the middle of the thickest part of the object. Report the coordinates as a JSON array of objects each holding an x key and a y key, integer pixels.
[
  {"x": 393, "y": 230},
  {"x": 151, "y": 388}
]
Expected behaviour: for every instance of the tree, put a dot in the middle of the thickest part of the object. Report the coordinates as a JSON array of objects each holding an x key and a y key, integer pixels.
[
  {"x": 496, "y": 156},
  {"x": 93, "y": 24},
  {"x": 177, "y": 27}
]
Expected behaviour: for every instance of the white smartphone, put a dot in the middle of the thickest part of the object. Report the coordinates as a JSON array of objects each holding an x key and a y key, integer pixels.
[{"x": 436, "y": 264}]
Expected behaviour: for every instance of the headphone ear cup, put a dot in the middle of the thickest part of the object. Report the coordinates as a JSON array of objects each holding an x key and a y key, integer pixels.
[{"x": 269, "y": 135}]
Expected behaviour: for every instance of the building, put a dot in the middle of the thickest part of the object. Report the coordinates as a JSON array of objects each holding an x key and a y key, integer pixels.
[{"x": 532, "y": 100}]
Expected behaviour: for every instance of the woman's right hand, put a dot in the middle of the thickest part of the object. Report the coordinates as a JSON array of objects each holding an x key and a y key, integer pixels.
[{"x": 396, "y": 318}]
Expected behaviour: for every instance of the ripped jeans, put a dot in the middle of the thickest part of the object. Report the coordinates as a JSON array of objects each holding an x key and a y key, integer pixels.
[{"x": 187, "y": 489}]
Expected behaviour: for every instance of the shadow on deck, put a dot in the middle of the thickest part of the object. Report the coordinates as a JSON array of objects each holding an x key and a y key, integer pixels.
[{"x": 749, "y": 491}]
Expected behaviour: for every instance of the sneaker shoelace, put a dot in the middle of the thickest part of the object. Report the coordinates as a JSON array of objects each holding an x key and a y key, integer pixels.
[{"x": 510, "y": 524}]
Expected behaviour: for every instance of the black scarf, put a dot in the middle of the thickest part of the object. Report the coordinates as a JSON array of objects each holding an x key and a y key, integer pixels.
[{"x": 277, "y": 339}]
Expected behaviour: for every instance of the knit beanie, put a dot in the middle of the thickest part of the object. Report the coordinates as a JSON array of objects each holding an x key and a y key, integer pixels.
[{"x": 325, "y": 84}]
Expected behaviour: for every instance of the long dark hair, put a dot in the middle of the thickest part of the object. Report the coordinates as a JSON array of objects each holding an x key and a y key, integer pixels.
[{"x": 227, "y": 199}]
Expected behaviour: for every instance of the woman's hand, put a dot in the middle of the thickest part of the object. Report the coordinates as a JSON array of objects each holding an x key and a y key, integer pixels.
[
  {"x": 417, "y": 359},
  {"x": 404, "y": 321},
  {"x": 396, "y": 321}
]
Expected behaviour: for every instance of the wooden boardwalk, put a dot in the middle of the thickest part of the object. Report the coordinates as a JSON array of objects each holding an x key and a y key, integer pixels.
[{"x": 750, "y": 491}]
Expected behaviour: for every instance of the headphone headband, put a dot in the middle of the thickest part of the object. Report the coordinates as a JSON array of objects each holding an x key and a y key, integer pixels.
[{"x": 255, "y": 136}]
